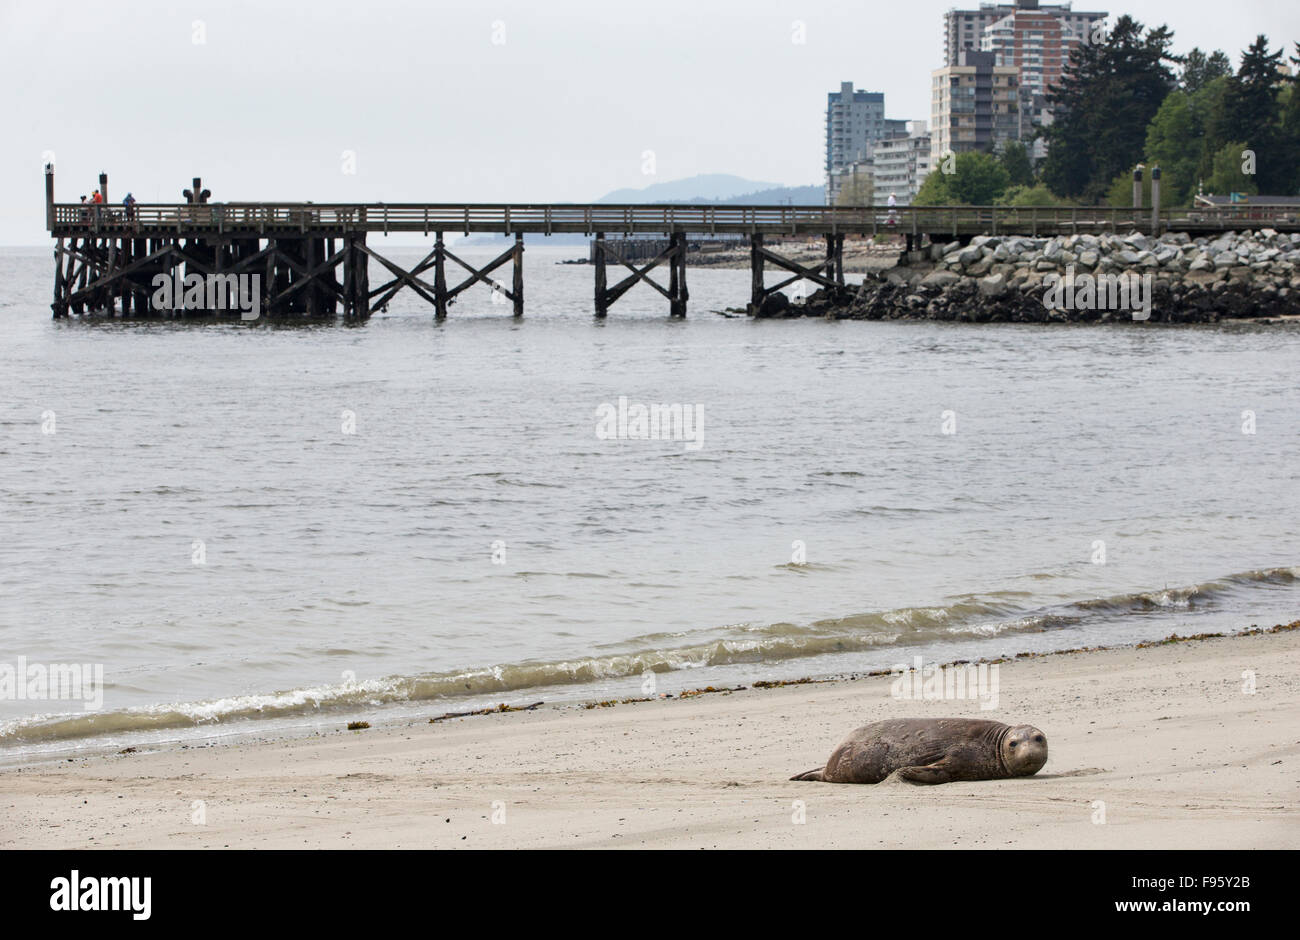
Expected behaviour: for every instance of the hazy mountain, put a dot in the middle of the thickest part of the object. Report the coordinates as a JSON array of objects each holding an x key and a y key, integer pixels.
[
  {"x": 781, "y": 196},
  {"x": 708, "y": 189},
  {"x": 718, "y": 188}
]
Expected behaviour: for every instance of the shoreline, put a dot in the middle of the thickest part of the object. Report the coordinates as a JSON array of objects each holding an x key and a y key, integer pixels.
[
  {"x": 1172, "y": 278},
  {"x": 1160, "y": 731}
]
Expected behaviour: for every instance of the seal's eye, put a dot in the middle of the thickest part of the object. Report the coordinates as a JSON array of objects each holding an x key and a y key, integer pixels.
[
  {"x": 1039, "y": 739},
  {"x": 1013, "y": 743}
]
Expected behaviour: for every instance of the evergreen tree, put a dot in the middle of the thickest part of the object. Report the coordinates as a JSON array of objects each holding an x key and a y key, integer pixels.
[
  {"x": 1102, "y": 108},
  {"x": 1015, "y": 160},
  {"x": 1200, "y": 69},
  {"x": 1248, "y": 112}
]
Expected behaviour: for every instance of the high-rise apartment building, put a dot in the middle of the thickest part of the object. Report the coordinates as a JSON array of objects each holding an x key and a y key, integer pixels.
[
  {"x": 1036, "y": 42},
  {"x": 854, "y": 121},
  {"x": 975, "y": 105},
  {"x": 966, "y": 29},
  {"x": 900, "y": 165}
]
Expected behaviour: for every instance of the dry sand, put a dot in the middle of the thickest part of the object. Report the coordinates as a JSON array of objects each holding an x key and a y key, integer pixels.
[{"x": 1164, "y": 737}]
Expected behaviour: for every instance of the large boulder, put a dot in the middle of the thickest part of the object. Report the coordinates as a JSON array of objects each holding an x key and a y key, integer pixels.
[
  {"x": 940, "y": 279},
  {"x": 773, "y": 306}
]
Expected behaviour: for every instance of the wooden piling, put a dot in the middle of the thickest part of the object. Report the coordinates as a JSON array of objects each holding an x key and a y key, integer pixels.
[
  {"x": 677, "y": 276},
  {"x": 60, "y": 304},
  {"x": 602, "y": 305},
  {"x": 440, "y": 277},
  {"x": 518, "y": 284}
]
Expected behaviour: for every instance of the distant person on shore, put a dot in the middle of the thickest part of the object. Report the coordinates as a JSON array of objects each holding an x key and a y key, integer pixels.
[{"x": 893, "y": 210}]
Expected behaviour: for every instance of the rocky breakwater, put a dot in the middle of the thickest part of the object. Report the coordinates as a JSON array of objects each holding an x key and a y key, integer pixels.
[{"x": 1085, "y": 278}]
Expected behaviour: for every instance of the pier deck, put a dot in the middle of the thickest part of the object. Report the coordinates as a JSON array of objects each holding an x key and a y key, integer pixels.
[
  {"x": 939, "y": 222},
  {"x": 311, "y": 259}
]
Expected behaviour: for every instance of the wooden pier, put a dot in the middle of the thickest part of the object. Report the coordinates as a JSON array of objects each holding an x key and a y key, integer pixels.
[{"x": 312, "y": 260}]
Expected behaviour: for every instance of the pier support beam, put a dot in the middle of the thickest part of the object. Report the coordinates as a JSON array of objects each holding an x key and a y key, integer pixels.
[
  {"x": 518, "y": 283},
  {"x": 602, "y": 306},
  {"x": 438, "y": 294},
  {"x": 835, "y": 258},
  {"x": 440, "y": 278},
  {"x": 833, "y": 267},
  {"x": 60, "y": 304},
  {"x": 677, "y": 282},
  {"x": 674, "y": 255}
]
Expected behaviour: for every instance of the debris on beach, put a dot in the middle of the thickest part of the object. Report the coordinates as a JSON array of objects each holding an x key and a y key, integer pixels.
[
  {"x": 503, "y": 707},
  {"x": 691, "y": 693},
  {"x": 780, "y": 683}
]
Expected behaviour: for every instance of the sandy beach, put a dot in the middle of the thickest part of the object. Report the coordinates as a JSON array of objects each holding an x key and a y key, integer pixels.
[{"x": 1163, "y": 736}]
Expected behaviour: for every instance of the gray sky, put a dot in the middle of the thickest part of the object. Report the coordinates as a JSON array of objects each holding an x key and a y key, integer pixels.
[{"x": 458, "y": 101}]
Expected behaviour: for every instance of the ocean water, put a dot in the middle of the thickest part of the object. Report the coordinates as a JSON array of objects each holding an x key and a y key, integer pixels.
[{"x": 203, "y": 527}]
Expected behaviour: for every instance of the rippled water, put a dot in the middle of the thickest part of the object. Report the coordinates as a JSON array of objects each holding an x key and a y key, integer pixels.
[{"x": 357, "y": 570}]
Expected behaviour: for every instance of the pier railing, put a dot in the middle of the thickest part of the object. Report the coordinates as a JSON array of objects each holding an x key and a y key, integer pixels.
[{"x": 287, "y": 218}]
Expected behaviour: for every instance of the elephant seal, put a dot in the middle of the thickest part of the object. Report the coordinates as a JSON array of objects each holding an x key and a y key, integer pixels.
[{"x": 934, "y": 750}]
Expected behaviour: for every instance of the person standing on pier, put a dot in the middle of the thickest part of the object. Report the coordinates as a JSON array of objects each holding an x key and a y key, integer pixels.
[{"x": 129, "y": 202}]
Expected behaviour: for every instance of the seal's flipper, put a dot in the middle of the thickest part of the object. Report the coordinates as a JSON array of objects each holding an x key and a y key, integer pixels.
[
  {"x": 929, "y": 774},
  {"x": 810, "y": 775}
]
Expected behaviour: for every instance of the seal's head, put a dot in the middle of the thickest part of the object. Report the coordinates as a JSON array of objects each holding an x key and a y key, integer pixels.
[{"x": 1024, "y": 750}]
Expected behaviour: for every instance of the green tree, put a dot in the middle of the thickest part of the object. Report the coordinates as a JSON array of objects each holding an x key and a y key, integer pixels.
[
  {"x": 1176, "y": 141},
  {"x": 1289, "y": 127},
  {"x": 979, "y": 179},
  {"x": 1015, "y": 160},
  {"x": 1226, "y": 175},
  {"x": 858, "y": 190},
  {"x": 1248, "y": 111},
  {"x": 1200, "y": 69},
  {"x": 934, "y": 190},
  {"x": 1120, "y": 193},
  {"x": 1102, "y": 107},
  {"x": 1036, "y": 195}
]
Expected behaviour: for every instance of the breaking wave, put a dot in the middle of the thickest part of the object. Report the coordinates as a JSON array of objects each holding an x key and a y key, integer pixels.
[{"x": 745, "y": 643}]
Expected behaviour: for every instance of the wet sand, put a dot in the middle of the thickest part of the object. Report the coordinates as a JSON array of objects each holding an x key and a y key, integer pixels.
[{"x": 1156, "y": 747}]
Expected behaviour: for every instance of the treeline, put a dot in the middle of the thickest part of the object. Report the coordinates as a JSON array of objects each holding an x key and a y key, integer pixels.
[{"x": 1127, "y": 100}]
